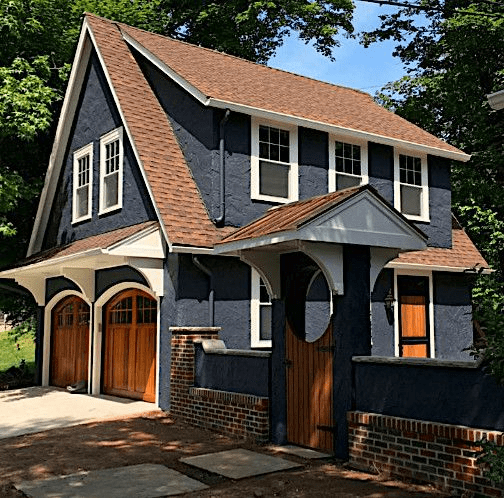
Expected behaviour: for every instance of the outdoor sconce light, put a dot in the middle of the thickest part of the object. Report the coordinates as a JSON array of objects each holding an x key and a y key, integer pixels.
[{"x": 389, "y": 301}]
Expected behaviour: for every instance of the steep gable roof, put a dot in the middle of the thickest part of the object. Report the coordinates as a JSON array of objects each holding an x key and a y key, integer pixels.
[{"x": 222, "y": 80}]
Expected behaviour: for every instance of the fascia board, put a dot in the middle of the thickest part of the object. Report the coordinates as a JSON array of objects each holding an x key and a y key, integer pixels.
[
  {"x": 67, "y": 114},
  {"x": 191, "y": 89},
  {"x": 130, "y": 135},
  {"x": 418, "y": 266},
  {"x": 287, "y": 118},
  {"x": 334, "y": 129}
]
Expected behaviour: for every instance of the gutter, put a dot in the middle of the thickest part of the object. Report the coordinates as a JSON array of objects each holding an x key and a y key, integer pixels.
[{"x": 219, "y": 220}]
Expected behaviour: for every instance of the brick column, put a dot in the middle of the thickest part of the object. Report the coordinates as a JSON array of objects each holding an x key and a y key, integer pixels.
[{"x": 182, "y": 366}]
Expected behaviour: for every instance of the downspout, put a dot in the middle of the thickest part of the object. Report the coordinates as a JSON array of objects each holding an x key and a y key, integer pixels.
[
  {"x": 209, "y": 274},
  {"x": 222, "y": 208}
]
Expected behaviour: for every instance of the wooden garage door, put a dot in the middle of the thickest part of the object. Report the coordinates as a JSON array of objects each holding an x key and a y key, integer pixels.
[
  {"x": 69, "y": 342},
  {"x": 309, "y": 390},
  {"x": 129, "y": 358}
]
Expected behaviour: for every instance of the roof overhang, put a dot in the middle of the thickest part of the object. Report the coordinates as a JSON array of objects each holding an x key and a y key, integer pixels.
[
  {"x": 362, "y": 219},
  {"x": 266, "y": 114}
]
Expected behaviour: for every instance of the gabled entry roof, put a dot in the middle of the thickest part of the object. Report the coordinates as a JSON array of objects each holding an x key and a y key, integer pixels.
[{"x": 357, "y": 215}]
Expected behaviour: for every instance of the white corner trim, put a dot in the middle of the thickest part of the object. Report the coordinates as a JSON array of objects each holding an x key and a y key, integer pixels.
[{"x": 293, "y": 181}]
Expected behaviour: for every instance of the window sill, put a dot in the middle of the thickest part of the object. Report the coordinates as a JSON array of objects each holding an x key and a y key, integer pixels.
[
  {"x": 270, "y": 198},
  {"x": 80, "y": 220},
  {"x": 110, "y": 209}
]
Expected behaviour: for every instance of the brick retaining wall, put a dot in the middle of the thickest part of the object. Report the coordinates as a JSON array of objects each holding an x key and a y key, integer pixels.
[
  {"x": 237, "y": 414},
  {"x": 441, "y": 454}
]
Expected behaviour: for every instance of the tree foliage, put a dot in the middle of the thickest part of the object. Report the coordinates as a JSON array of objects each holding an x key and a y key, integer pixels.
[{"x": 454, "y": 55}]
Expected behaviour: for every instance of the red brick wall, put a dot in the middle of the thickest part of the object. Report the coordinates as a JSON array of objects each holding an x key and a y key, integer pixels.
[
  {"x": 242, "y": 415},
  {"x": 441, "y": 454}
]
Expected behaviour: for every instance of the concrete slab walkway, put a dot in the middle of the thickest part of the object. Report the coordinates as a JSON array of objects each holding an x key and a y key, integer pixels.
[
  {"x": 36, "y": 409},
  {"x": 138, "y": 481}
]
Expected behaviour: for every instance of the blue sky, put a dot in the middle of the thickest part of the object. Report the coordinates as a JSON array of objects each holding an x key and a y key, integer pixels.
[{"x": 367, "y": 69}]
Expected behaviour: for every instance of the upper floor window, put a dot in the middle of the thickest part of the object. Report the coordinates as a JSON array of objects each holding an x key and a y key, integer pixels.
[
  {"x": 260, "y": 313},
  {"x": 347, "y": 165},
  {"x": 411, "y": 189},
  {"x": 274, "y": 165},
  {"x": 82, "y": 183},
  {"x": 111, "y": 170}
]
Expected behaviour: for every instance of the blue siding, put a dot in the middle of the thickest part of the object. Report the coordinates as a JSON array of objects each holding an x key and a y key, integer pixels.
[
  {"x": 104, "y": 279},
  {"x": 96, "y": 115},
  {"x": 58, "y": 284},
  {"x": 382, "y": 326}
]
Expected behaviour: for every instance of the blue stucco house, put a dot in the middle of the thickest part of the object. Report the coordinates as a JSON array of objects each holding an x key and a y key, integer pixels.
[{"x": 291, "y": 223}]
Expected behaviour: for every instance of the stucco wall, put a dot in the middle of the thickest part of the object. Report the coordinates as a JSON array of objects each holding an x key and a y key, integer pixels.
[
  {"x": 96, "y": 115},
  {"x": 382, "y": 326},
  {"x": 58, "y": 284}
]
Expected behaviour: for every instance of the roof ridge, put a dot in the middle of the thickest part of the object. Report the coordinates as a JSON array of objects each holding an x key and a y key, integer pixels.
[{"x": 213, "y": 50}]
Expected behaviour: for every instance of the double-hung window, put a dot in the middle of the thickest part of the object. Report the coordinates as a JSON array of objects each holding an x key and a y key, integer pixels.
[
  {"x": 274, "y": 166},
  {"x": 411, "y": 189},
  {"x": 111, "y": 170},
  {"x": 348, "y": 165},
  {"x": 82, "y": 183},
  {"x": 260, "y": 313}
]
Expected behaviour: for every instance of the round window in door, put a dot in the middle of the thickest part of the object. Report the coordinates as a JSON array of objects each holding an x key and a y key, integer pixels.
[
  {"x": 69, "y": 342},
  {"x": 129, "y": 354}
]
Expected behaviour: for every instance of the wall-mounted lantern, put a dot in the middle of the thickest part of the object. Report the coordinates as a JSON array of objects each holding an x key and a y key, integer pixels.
[{"x": 389, "y": 301}]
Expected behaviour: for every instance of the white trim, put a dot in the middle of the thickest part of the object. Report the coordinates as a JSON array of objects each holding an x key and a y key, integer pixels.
[
  {"x": 364, "y": 176},
  {"x": 46, "y": 347},
  {"x": 98, "y": 332},
  {"x": 420, "y": 267},
  {"x": 77, "y": 74},
  {"x": 111, "y": 136},
  {"x": 431, "y": 331},
  {"x": 293, "y": 181},
  {"x": 87, "y": 150},
  {"x": 255, "y": 311},
  {"x": 425, "y": 216}
]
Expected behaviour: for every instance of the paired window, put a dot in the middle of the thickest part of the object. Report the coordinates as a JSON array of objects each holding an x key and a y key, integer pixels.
[
  {"x": 260, "y": 313},
  {"x": 411, "y": 189},
  {"x": 347, "y": 164},
  {"x": 111, "y": 171},
  {"x": 82, "y": 183},
  {"x": 274, "y": 163}
]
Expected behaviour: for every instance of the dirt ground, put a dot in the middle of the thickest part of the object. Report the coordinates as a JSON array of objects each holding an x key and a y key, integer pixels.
[{"x": 157, "y": 438}]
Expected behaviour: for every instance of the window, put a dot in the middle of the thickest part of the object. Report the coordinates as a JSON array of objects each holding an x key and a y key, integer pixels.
[
  {"x": 411, "y": 190},
  {"x": 260, "y": 313},
  {"x": 82, "y": 183},
  {"x": 414, "y": 315},
  {"x": 347, "y": 164},
  {"x": 111, "y": 170},
  {"x": 274, "y": 163}
]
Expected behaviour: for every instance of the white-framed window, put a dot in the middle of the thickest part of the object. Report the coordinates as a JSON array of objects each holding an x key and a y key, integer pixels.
[
  {"x": 414, "y": 314},
  {"x": 411, "y": 186},
  {"x": 260, "y": 313},
  {"x": 274, "y": 162},
  {"x": 111, "y": 170},
  {"x": 82, "y": 184},
  {"x": 348, "y": 163}
]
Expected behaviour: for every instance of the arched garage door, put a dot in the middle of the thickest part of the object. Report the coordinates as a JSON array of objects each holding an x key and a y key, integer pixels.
[
  {"x": 69, "y": 342},
  {"x": 129, "y": 355}
]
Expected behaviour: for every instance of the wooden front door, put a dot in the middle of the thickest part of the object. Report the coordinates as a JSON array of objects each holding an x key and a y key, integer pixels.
[
  {"x": 413, "y": 316},
  {"x": 69, "y": 342},
  {"x": 309, "y": 390},
  {"x": 129, "y": 357}
]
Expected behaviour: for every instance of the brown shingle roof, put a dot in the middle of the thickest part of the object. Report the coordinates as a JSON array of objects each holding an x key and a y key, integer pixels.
[
  {"x": 238, "y": 81},
  {"x": 175, "y": 193},
  {"x": 100, "y": 241},
  {"x": 463, "y": 254}
]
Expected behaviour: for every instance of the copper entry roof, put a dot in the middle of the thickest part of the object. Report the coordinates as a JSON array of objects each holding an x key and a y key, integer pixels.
[{"x": 100, "y": 241}]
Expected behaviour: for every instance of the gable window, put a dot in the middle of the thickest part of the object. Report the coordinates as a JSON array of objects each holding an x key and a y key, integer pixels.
[
  {"x": 111, "y": 170},
  {"x": 347, "y": 165},
  {"x": 82, "y": 183},
  {"x": 260, "y": 313},
  {"x": 274, "y": 162},
  {"x": 411, "y": 190}
]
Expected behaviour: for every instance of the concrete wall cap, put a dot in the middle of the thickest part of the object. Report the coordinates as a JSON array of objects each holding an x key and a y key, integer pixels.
[
  {"x": 210, "y": 345},
  {"x": 417, "y": 362},
  {"x": 194, "y": 330}
]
